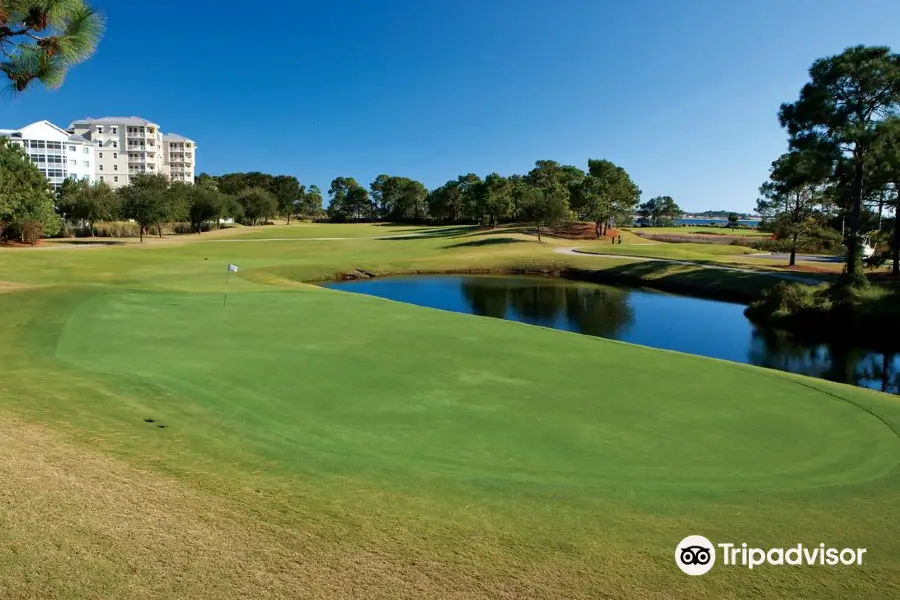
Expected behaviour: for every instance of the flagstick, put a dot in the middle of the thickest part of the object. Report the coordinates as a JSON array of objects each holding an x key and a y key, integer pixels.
[{"x": 225, "y": 299}]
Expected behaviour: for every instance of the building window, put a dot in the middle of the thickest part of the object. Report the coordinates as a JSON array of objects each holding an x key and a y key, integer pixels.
[
  {"x": 54, "y": 145},
  {"x": 101, "y": 167},
  {"x": 87, "y": 150},
  {"x": 116, "y": 178},
  {"x": 100, "y": 129},
  {"x": 101, "y": 155},
  {"x": 115, "y": 155},
  {"x": 71, "y": 148},
  {"x": 115, "y": 144},
  {"x": 74, "y": 163},
  {"x": 115, "y": 130},
  {"x": 87, "y": 163},
  {"x": 101, "y": 178},
  {"x": 115, "y": 167}
]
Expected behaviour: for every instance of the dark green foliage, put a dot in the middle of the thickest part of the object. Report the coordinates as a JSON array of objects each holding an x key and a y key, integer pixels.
[
  {"x": 733, "y": 219},
  {"x": 258, "y": 205},
  {"x": 288, "y": 195},
  {"x": 41, "y": 39},
  {"x": 398, "y": 199},
  {"x": 311, "y": 202},
  {"x": 349, "y": 201},
  {"x": 837, "y": 117},
  {"x": 868, "y": 315},
  {"x": 605, "y": 196},
  {"x": 661, "y": 211},
  {"x": 794, "y": 195},
  {"x": 26, "y": 201},
  {"x": 146, "y": 200},
  {"x": 205, "y": 203},
  {"x": 545, "y": 206},
  {"x": 85, "y": 202}
]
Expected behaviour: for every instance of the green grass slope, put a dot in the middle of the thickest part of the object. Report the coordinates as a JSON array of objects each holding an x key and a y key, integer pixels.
[{"x": 321, "y": 444}]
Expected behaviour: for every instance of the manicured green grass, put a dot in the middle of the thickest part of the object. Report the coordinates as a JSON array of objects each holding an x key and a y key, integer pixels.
[
  {"x": 335, "y": 445},
  {"x": 682, "y": 251},
  {"x": 304, "y": 229}
]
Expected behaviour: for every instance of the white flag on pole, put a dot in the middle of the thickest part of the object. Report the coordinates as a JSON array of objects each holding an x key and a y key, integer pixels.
[{"x": 233, "y": 268}]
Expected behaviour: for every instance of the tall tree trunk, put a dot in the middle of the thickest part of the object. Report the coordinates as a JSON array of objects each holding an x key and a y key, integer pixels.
[
  {"x": 289, "y": 218},
  {"x": 539, "y": 231},
  {"x": 141, "y": 228},
  {"x": 853, "y": 264},
  {"x": 597, "y": 229},
  {"x": 159, "y": 229},
  {"x": 793, "y": 261},
  {"x": 91, "y": 225},
  {"x": 880, "y": 208}
]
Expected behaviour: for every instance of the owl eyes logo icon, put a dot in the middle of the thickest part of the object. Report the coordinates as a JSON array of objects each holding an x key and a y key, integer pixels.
[{"x": 695, "y": 555}]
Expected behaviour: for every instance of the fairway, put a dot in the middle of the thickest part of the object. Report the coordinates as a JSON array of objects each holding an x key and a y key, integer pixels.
[{"x": 307, "y": 442}]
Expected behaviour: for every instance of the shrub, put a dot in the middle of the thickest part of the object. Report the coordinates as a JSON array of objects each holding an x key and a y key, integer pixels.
[
  {"x": 798, "y": 302},
  {"x": 181, "y": 228},
  {"x": 115, "y": 229},
  {"x": 32, "y": 231}
]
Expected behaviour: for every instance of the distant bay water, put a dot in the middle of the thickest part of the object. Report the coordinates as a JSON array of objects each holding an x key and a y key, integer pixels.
[{"x": 696, "y": 222}]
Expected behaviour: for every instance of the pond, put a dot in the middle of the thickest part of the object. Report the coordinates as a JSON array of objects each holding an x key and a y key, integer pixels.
[{"x": 696, "y": 326}]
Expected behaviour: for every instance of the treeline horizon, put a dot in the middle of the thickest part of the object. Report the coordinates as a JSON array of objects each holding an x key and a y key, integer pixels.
[{"x": 549, "y": 193}]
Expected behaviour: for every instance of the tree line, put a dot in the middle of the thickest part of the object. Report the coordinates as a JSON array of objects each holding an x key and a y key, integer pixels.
[
  {"x": 31, "y": 209},
  {"x": 842, "y": 169},
  {"x": 550, "y": 192}
]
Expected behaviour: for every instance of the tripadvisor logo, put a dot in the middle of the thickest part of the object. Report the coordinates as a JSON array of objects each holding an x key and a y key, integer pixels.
[{"x": 696, "y": 555}]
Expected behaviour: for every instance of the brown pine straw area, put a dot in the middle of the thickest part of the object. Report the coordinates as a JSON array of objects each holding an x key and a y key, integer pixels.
[{"x": 77, "y": 523}]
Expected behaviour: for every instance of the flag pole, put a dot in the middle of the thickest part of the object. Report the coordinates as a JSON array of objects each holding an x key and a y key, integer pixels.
[{"x": 225, "y": 298}]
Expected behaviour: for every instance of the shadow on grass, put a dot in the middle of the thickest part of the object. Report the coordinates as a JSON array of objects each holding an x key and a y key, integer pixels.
[
  {"x": 487, "y": 242},
  {"x": 86, "y": 242},
  {"x": 430, "y": 232}
]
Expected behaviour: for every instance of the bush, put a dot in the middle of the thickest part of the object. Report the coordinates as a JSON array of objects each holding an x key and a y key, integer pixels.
[
  {"x": 185, "y": 228},
  {"x": 32, "y": 231},
  {"x": 789, "y": 299},
  {"x": 820, "y": 241},
  {"x": 869, "y": 315},
  {"x": 113, "y": 229}
]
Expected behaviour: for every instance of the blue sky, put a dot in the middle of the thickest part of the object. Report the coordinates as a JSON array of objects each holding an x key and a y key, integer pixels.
[{"x": 684, "y": 95}]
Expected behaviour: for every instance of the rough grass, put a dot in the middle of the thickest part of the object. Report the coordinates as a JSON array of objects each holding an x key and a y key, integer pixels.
[
  {"x": 319, "y": 444},
  {"x": 737, "y": 232}
]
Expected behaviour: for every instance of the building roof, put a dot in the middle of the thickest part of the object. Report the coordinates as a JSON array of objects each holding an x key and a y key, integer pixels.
[
  {"x": 18, "y": 132},
  {"x": 77, "y": 138},
  {"x": 115, "y": 121},
  {"x": 174, "y": 137}
]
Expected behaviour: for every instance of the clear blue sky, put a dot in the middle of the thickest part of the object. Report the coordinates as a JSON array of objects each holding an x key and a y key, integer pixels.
[{"x": 684, "y": 95}]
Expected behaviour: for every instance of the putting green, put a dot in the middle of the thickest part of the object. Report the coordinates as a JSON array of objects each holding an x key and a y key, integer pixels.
[{"x": 401, "y": 392}]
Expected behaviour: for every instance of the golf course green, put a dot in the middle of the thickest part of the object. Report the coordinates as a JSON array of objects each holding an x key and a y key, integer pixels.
[{"x": 297, "y": 441}]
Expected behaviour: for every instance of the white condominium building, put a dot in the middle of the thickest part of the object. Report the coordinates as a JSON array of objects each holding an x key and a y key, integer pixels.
[
  {"x": 178, "y": 157},
  {"x": 59, "y": 154},
  {"x": 108, "y": 149},
  {"x": 126, "y": 145}
]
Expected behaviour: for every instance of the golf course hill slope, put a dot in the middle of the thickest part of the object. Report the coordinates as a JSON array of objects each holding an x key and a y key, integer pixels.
[{"x": 307, "y": 442}]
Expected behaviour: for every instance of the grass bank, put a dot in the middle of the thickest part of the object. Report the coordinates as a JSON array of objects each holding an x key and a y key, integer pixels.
[
  {"x": 868, "y": 317},
  {"x": 307, "y": 442}
]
